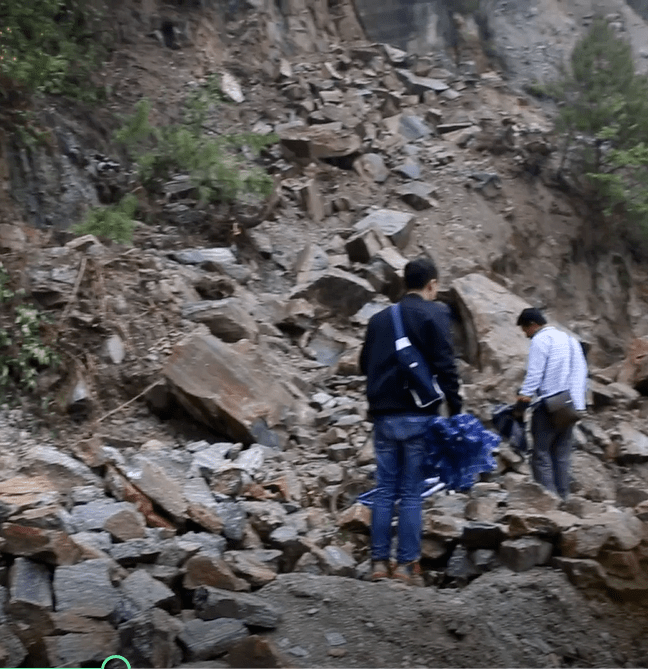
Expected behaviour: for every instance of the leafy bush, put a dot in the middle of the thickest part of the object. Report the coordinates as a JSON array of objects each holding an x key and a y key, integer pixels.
[
  {"x": 603, "y": 118},
  {"x": 22, "y": 350},
  {"x": 113, "y": 222},
  {"x": 213, "y": 163},
  {"x": 48, "y": 45}
]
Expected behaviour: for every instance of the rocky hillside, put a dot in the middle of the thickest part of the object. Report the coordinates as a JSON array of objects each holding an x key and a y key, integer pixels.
[{"x": 186, "y": 496}]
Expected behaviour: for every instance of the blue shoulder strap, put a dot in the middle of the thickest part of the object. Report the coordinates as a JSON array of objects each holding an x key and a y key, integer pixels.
[{"x": 397, "y": 318}]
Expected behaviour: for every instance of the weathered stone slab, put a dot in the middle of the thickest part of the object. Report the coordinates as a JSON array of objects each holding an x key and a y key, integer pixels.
[
  {"x": 396, "y": 225},
  {"x": 20, "y": 493},
  {"x": 146, "y": 592},
  {"x": 585, "y": 574},
  {"x": 489, "y": 312},
  {"x": 51, "y": 546},
  {"x": 62, "y": 469},
  {"x": 482, "y": 535},
  {"x": 81, "y": 650},
  {"x": 96, "y": 599},
  {"x": 217, "y": 259},
  {"x": 253, "y": 566},
  {"x": 202, "y": 508},
  {"x": 524, "y": 553},
  {"x": 207, "y": 639},
  {"x": 326, "y": 140},
  {"x": 30, "y": 587},
  {"x": 97, "y": 515},
  {"x": 364, "y": 245},
  {"x": 340, "y": 291},
  {"x": 255, "y": 651},
  {"x": 356, "y": 518},
  {"x": 634, "y": 445},
  {"x": 222, "y": 389},
  {"x": 203, "y": 569},
  {"x": 211, "y": 603},
  {"x": 149, "y": 639},
  {"x": 226, "y": 319},
  {"x": 12, "y": 650},
  {"x": 135, "y": 551},
  {"x": 416, "y": 85}
]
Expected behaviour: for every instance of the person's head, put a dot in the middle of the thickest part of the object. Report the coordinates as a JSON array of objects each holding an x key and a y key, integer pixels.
[
  {"x": 421, "y": 276},
  {"x": 531, "y": 320}
]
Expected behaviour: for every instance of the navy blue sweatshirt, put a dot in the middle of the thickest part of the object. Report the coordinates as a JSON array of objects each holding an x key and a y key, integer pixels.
[{"x": 427, "y": 324}]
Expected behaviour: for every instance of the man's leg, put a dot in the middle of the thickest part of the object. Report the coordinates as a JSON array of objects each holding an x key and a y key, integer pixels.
[
  {"x": 411, "y": 505},
  {"x": 561, "y": 457},
  {"x": 543, "y": 439},
  {"x": 387, "y": 476}
]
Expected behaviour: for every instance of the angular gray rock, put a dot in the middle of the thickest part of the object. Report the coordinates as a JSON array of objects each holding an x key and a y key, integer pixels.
[
  {"x": 96, "y": 599},
  {"x": 149, "y": 639},
  {"x": 81, "y": 650},
  {"x": 254, "y": 611},
  {"x": 216, "y": 259},
  {"x": 396, "y": 225},
  {"x": 146, "y": 592},
  {"x": 525, "y": 553},
  {"x": 226, "y": 319},
  {"x": 340, "y": 291},
  {"x": 207, "y": 639},
  {"x": 66, "y": 471}
]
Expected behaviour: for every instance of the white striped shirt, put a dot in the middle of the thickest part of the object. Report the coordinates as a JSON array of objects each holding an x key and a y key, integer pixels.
[{"x": 556, "y": 362}]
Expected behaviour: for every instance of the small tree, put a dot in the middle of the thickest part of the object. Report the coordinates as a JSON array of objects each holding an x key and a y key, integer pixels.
[{"x": 603, "y": 116}]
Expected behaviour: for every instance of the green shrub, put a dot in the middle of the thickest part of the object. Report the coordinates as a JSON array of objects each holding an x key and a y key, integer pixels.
[
  {"x": 48, "y": 46},
  {"x": 213, "y": 163},
  {"x": 22, "y": 350},
  {"x": 113, "y": 222}
]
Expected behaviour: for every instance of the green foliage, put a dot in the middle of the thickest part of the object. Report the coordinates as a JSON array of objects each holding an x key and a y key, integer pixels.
[
  {"x": 604, "y": 119},
  {"x": 113, "y": 222},
  {"x": 22, "y": 350},
  {"x": 47, "y": 46},
  {"x": 213, "y": 163}
]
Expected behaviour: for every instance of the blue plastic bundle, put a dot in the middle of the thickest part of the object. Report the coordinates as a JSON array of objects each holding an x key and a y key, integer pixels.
[{"x": 459, "y": 450}]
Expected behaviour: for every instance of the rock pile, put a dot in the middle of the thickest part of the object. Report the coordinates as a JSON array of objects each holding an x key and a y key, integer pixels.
[{"x": 155, "y": 548}]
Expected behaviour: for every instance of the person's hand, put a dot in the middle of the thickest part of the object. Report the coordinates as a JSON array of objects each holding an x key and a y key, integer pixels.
[{"x": 521, "y": 404}]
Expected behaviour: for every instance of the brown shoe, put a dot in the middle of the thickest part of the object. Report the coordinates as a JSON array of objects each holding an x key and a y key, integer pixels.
[
  {"x": 380, "y": 570},
  {"x": 409, "y": 573}
]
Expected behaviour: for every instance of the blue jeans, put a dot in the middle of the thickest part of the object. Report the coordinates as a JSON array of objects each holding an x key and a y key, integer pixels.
[
  {"x": 551, "y": 457},
  {"x": 399, "y": 442}
]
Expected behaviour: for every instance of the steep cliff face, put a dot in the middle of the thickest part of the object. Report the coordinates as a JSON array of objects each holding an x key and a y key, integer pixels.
[{"x": 527, "y": 39}]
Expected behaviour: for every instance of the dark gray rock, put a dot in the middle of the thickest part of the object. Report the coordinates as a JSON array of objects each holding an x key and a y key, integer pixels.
[
  {"x": 482, "y": 535},
  {"x": 207, "y": 639},
  {"x": 413, "y": 128},
  {"x": 410, "y": 168},
  {"x": 217, "y": 259},
  {"x": 12, "y": 651},
  {"x": 81, "y": 650},
  {"x": 212, "y": 603},
  {"x": 141, "y": 588},
  {"x": 397, "y": 225},
  {"x": 460, "y": 566},
  {"x": 135, "y": 551},
  {"x": 30, "y": 585},
  {"x": 96, "y": 599},
  {"x": 149, "y": 639},
  {"x": 234, "y": 519},
  {"x": 525, "y": 553}
]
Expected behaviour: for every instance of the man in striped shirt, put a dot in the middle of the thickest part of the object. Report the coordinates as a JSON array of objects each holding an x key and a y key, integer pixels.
[{"x": 556, "y": 362}]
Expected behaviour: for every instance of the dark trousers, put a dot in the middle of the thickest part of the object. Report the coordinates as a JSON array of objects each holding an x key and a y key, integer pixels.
[{"x": 551, "y": 457}]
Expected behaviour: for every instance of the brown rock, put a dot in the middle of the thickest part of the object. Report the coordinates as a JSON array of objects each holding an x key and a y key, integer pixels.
[
  {"x": 205, "y": 569},
  {"x": 327, "y": 140},
  {"x": 126, "y": 524},
  {"x": 221, "y": 388},
  {"x": 255, "y": 651},
  {"x": 356, "y": 518},
  {"x": 586, "y": 574},
  {"x": 50, "y": 546},
  {"x": 228, "y": 319}
]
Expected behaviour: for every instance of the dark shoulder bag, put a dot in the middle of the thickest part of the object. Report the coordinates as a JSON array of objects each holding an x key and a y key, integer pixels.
[
  {"x": 560, "y": 406},
  {"x": 421, "y": 383}
]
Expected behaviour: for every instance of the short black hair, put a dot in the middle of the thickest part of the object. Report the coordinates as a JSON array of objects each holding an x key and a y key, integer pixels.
[
  {"x": 418, "y": 273},
  {"x": 531, "y": 315}
]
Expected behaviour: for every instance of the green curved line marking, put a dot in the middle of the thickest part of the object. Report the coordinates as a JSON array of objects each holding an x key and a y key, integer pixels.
[{"x": 116, "y": 657}]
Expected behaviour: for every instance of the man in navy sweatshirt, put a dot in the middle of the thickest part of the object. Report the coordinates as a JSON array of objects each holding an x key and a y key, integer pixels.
[{"x": 399, "y": 424}]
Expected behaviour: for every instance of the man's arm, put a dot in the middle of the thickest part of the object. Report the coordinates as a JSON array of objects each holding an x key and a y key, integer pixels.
[
  {"x": 441, "y": 358},
  {"x": 535, "y": 371}
]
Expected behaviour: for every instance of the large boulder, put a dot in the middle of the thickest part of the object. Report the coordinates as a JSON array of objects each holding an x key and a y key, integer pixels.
[{"x": 221, "y": 388}]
